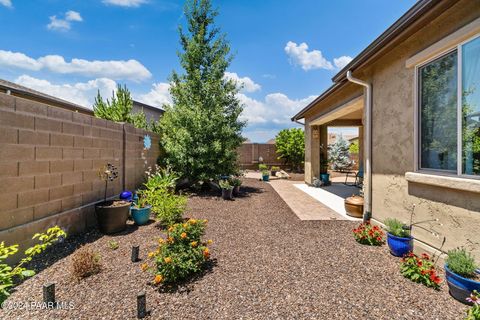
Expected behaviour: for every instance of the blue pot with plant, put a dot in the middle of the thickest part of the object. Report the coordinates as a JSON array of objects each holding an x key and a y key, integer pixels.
[
  {"x": 325, "y": 178},
  {"x": 462, "y": 274},
  {"x": 265, "y": 175},
  {"x": 140, "y": 210},
  {"x": 399, "y": 239}
]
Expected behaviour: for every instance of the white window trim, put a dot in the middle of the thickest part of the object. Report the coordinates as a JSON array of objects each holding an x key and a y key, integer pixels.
[{"x": 416, "y": 117}]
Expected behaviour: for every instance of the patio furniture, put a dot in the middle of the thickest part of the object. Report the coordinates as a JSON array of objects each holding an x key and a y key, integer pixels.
[{"x": 358, "y": 178}]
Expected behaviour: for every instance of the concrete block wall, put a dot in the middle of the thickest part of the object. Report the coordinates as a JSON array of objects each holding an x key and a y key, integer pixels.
[
  {"x": 248, "y": 154},
  {"x": 49, "y": 163}
]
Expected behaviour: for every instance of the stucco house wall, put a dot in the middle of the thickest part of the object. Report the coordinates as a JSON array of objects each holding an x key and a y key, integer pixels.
[{"x": 393, "y": 139}]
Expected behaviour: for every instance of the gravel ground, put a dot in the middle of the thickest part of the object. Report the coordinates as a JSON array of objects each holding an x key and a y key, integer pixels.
[{"x": 267, "y": 264}]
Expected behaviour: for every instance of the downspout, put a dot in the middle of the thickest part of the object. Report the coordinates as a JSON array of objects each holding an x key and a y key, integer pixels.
[{"x": 368, "y": 142}]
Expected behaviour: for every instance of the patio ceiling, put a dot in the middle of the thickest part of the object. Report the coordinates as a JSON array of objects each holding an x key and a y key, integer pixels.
[{"x": 351, "y": 110}]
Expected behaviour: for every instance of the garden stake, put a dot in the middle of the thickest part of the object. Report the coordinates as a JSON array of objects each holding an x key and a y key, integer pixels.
[
  {"x": 49, "y": 294},
  {"x": 141, "y": 305},
  {"x": 135, "y": 252}
]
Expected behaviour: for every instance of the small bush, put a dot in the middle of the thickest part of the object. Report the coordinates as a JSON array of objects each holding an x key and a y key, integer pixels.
[
  {"x": 85, "y": 262},
  {"x": 168, "y": 207},
  {"x": 462, "y": 263},
  {"x": 262, "y": 167},
  {"x": 420, "y": 269},
  {"x": 365, "y": 233},
  {"x": 225, "y": 184},
  {"x": 113, "y": 245},
  {"x": 180, "y": 256},
  {"x": 275, "y": 168},
  {"x": 10, "y": 274},
  {"x": 158, "y": 178},
  {"x": 395, "y": 227},
  {"x": 236, "y": 182}
]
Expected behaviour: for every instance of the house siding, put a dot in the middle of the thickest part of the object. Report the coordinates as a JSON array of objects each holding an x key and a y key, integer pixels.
[{"x": 393, "y": 143}]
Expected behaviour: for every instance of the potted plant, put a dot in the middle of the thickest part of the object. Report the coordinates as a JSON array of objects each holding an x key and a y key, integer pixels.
[
  {"x": 265, "y": 175},
  {"x": 274, "y": 170},
  {"x": 324, "y": 175},
  {"x": 112, "y": 215},
  {"x": 140, "y": 209},
  {"x": 462, "y": 274},
  {"x": 236, "y": 183},
  {"x": 399, "y": 239},
  {"x": 227, "y": 189}
]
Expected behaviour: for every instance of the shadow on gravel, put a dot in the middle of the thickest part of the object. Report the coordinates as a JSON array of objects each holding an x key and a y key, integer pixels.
[
  {"x": 246, "y": 191},
  {"x": 186, "y": 285}
]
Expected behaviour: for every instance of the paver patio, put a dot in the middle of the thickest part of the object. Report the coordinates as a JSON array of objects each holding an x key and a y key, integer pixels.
[{"x": 268, "y": 264}]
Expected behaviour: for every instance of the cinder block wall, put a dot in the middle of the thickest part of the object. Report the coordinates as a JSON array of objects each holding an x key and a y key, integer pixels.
[
  {"x": 49, "y": 163},
  {"x": 248, "y": 154}
]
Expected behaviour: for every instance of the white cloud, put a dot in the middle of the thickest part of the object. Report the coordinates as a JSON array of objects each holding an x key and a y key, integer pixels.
[
  {"x": 125, "y": 3},
  {"x": 82, "y": 93},
  {"x": 276, "y": 109},
  {"x": 18, "y": 60},
  {"x": 115, "y": 69},
  {"x": 314, "y": 59},
  {"x": 308, "y": 60},
  {"x": 64, "y": 24},
  {"x": 158, "y": 95},
  {"x": 6, "y": 3},
  {"x": 342, "y": 61},
  {"x": 248, "y": 85},
  {"x": 73, "y": 16}
]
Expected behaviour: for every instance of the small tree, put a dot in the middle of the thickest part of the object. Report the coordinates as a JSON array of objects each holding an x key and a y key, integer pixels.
[
  {"x": 119, "y": 109},
  {"x": 290, "y": 145},
  {"x": 354, "y": 147},
  {"x": 201, "y": 130},
  {"x": 339, "y": 155}
]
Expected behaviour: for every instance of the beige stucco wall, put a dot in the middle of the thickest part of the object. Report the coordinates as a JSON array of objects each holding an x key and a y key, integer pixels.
[
  {"x": 458, "y": 212},
  {"x": 393, "y": 145}
]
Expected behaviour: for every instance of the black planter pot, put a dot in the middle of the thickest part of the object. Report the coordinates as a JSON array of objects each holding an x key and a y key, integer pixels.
[
  {"x": 273, "y": 173},
  {"x": 236, "y": 191},
  {"x": 227, "y": 194},
  {"x": 112, "y": 219}
]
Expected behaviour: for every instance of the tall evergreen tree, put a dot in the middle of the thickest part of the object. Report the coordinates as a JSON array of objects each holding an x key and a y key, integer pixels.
[
  {"x": 201, "y": 130},
  {"x": 339, "y": 155}
]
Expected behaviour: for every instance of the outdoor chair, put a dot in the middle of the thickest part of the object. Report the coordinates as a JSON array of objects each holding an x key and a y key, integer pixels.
[{"x": 358, "y": 178}]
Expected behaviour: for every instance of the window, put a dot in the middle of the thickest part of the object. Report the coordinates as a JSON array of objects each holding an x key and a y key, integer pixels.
[{"x": 449, "y": 88}]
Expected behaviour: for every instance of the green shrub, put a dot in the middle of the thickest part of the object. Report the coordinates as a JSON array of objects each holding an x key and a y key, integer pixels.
[
  {"x": 265, "y": 173},
  {"x": 182, "y": 254},
  {"x": 236, "y": 182},
  {"x": 8, "y": 274},
  {"x": 290, "y": 144},
  {"x": 167, "y": 206},
  {"x": 275, "y": 168},
  {"x": 262, "y": 167},
  {"x": 395, "y": 228},
  {"x": 225, "y": 184},
  {"x": 161, "y": 178},
  {"x": 462, "y": 263}
]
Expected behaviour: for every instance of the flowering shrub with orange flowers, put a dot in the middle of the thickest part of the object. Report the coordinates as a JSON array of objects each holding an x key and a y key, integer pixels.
[
  {"x": 182, "y": 254},
  {"x": 420, "y": 269},
  {"x": 365, "y": 233}
]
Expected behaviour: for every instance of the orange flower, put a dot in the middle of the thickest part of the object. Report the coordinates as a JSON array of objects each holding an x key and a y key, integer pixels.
[
  {"x": 209, "y": 242},
  {"x": 161, "y": 241},
  {"x": 144, "y": 266},
  {"x": 206, "y": 253},
  {"x": 183, "y": 235},
  {"x": 151, "y": 254},
  {"x": 158, "y": 278},
  {"x": 192, "y": 221},
  {"x": 170, "y": 240},
  {"x": 167, "y": 260},
  {"x": 170, "y": 229},
  {"x": 194, "y": 243}
]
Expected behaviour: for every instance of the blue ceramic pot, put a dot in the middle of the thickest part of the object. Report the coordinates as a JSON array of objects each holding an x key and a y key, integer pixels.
[
  {"x": 399, "y": 246},
  {"x": 460, "y": 287},
  {"x": 266, "y": 177},
  {"x": 325, "y": 178},
  {"x": 141, "y": 215}
]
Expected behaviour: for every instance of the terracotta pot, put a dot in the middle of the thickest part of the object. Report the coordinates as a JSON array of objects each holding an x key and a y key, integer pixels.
[{"x": 354, "y": 206}]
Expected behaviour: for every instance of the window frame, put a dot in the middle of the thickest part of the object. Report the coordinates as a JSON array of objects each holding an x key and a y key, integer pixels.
[{"x": 417, "y": 118}]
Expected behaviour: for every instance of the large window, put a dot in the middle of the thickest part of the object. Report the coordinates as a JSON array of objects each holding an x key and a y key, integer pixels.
[{"x": 449, "y": 88}]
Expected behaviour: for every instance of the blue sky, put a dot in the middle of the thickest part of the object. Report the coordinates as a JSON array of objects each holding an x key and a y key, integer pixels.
[{"x": 286, "y": 52}]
